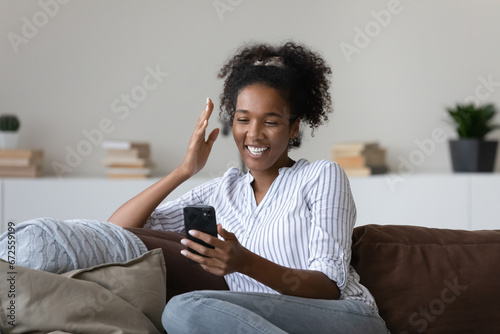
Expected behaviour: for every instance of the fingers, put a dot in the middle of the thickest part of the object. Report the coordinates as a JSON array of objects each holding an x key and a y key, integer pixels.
[
  {"x": 194, "y": 246},
  {"x": 212, "y": 241},
  {"x": 212, "y": 137},
  {"x": 207, "y": 262},
  {"x": 219, "y": 260},
  {"x": 202, "y": 124},
  {"x": 222, "y": 232},
  {"x": 205, "y": 251},
  {"x": 207, "y": 112},
  {"x": 225, "y": 234}
]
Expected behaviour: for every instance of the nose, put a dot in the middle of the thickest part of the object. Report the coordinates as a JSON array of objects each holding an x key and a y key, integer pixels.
[{"x": 254, "y": 130}]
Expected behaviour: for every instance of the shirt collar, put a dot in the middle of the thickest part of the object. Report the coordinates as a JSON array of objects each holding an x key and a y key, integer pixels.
[
  {"x": 299, "y": 163},
  {"x": 248, "y": 177}
]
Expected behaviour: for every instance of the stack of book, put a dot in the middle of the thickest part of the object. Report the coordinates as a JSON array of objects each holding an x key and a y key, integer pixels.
[
  {"x": 127, "y": 159},
  {"x": 360, "y": 159},
  {"x": 21, "y": 163}
]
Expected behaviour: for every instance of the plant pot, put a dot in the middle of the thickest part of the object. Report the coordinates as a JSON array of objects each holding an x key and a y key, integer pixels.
[
  {"x": 473, "y": 155},
  {"x": 8, "y": 140}
]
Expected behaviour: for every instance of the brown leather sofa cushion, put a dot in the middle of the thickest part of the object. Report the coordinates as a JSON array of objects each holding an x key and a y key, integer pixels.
[
  {"x": 431, "y": 280},
  {"x": 182, "y": 274},
  {"x": 424, "y": 280}
]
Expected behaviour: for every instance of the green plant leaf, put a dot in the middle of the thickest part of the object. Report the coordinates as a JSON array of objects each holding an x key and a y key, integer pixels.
[{"x": 473, "y": 121}]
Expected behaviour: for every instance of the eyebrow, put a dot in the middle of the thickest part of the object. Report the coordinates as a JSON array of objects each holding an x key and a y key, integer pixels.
[{"x": 244, "y": 111}]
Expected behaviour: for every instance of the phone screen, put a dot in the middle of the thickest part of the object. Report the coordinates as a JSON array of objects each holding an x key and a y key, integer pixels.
[{"x": 201, "y": 218}]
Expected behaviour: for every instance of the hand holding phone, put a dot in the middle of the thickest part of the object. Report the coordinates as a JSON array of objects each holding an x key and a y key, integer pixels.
[{"x": 201, "y": 218}]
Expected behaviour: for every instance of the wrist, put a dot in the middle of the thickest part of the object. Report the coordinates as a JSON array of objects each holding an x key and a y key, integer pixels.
[
  {"x": 248, "y": 262},
  {"x": 183, "y": 172}
]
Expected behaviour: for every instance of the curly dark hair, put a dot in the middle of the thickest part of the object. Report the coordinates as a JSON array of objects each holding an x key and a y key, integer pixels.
[{"x": 299, "y": 73}]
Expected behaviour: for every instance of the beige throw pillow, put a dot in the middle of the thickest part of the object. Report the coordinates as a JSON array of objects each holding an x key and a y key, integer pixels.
[{"x": 111, "y": 298}]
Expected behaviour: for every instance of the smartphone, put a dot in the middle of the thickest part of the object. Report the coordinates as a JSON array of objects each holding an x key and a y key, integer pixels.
[{"x": 201, "y": 218}]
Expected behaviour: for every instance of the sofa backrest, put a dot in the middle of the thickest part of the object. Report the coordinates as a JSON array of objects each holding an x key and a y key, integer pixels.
[
  {"x": 183, "y": 275},
  {"x": 427, "y": 280}
]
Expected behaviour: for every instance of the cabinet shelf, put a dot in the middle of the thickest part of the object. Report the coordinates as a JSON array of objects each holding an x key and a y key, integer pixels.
[{"x": 457, "y": 201}]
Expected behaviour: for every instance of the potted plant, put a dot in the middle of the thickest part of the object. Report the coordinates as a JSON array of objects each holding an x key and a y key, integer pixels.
[
  {"x": 9, "y": 125},
  {"x": 471, "y": 152}
]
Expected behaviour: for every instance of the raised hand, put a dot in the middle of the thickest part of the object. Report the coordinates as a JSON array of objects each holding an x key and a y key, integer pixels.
[
  {"x": 199, "y": 148},
  {"x": 136, "y": 211}
]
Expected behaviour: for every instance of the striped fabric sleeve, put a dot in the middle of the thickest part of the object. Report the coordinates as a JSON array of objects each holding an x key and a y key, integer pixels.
[
  {"x": 333, "y": 216},
  {"x": 169, "y": 215}
]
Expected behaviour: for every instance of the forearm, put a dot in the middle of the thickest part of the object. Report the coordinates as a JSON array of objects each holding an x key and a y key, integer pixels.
[
  {"x": 294, "y": 282},
  {"x": 136, "y": 211}
]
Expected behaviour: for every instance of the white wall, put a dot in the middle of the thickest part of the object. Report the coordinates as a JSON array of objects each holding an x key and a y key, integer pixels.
[{"x": 65, "y": 76}]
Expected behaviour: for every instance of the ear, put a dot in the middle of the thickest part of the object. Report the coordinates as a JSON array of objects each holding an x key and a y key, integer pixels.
[{"x": 294, "y": 129}]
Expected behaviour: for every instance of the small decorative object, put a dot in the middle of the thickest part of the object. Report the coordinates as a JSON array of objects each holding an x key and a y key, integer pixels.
[
  {"x": 471, "y": 152},
  {"x": 127, "y": 159},
  {"x": 9, "y": 124},
  {"x": 360, "y": 158},
  {"x": 21, "y": 163}
]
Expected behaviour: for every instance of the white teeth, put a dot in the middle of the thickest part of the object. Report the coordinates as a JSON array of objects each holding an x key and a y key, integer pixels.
[{"x": 257, "y": 150}]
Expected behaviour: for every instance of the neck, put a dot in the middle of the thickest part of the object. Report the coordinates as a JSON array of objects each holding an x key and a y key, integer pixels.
[
  {"x": 262, "y": 182},
  {"x": 263, "y": 179}
]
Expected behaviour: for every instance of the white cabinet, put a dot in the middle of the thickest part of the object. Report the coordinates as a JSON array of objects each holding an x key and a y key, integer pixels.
[
  {"x": 456, "y": 201},
  {"x": 422, "y": 200},
  {"x": 91, "y": 198},
  {"x": 485, "y": 200}
]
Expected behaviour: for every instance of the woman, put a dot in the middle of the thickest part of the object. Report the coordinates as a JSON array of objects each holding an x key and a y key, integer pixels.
[{"x": 285, "y": 226}]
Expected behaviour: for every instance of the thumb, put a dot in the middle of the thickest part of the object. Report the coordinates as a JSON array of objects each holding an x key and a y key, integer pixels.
[
  {"x": 225, "y": 234},
  {"x": 212, "y": 137}
]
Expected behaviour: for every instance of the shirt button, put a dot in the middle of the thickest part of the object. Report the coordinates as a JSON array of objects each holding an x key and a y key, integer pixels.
[
  {"x": 247, "y": 235},
  {"x": 255, "y": 215}
]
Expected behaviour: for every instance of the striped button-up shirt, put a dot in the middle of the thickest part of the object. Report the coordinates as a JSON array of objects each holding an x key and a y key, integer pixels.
[{"x": 305, "y": 221}]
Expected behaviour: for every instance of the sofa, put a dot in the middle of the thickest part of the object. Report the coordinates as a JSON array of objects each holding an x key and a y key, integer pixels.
[
  {"x": 424, "y": 280},
  {"x": 428, "y": 280}
]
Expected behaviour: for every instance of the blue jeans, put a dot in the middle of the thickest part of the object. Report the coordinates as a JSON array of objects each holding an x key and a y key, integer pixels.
[{"x": 245, "y": 312}]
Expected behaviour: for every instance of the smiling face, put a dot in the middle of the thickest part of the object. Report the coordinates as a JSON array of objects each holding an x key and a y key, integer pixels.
[{"x": 261, "y": 128}]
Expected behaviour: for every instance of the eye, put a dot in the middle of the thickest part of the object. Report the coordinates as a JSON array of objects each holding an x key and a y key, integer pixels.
[
  {"x": 271, "y": 123},
  {"x": 242, "y": 120}
]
